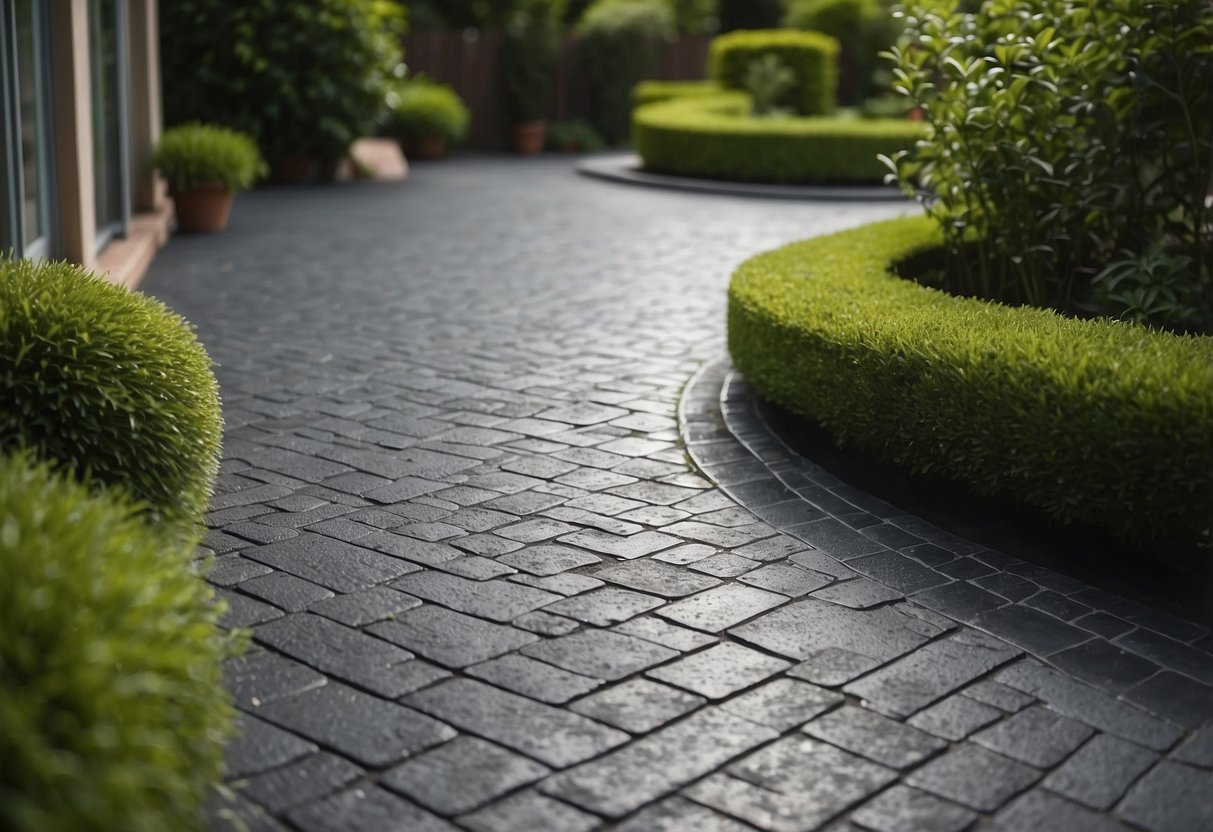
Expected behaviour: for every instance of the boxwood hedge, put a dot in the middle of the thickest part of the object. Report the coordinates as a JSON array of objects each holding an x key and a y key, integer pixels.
[
  {"x": 1096, "y": 421},
  {"x": 811, "y": 56},
  {"x": 108, "y": 384},
  {"x": 112, "y": 706},
  {"x": 715, "y": 137},
  {"x": 650, "y": 92}
]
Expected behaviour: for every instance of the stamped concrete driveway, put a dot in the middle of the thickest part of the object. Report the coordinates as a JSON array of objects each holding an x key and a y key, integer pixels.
[{"x": 488, "y": 593}]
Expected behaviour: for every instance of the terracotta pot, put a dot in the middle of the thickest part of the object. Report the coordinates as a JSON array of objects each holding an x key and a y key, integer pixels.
[
  {"x": 529, "y": 137},
  {"x": 291, "y": 170},
  {"x": 204, "y": 208},
  {"x": 430, "y": 147}
]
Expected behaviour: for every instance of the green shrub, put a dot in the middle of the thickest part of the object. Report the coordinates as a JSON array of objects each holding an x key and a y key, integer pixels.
[
  {"x": 715, "y": 137},
  {"x": 573, "y": 136},
  {"x": 650, "y": 92},
  {"x": 420, "y": 108},
  {"x": 1093, "y": 421},
  {"x": 301, "y": 78},
  {"x": 530, "y": 54},
  {"x": 110, "y": 385},
  {"x": 812, "y": 57},
  {"x": 750, "y": 14},
  {"x": 864, "y": 28},
  {"x": 112, "y": 707},
  {"x": 696, "y": 17},
  {"x": 619, "y": 41},
  {"x": 194, "y": 153}
]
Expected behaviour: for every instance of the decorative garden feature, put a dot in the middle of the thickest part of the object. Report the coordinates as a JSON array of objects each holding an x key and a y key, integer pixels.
[
  {"x": 205, "y": 167},
  {"x": 812, "y": 58},
  {"x": 427, "y": 117}
]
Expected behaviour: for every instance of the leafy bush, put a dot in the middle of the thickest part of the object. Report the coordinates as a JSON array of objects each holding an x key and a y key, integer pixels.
[
  {"x": 420, "y": 108},
  {"x": 110, "y": 385},
  {"x": 618, "y": 49},
  {"x": 650, "y": 92},
  {"x": 531, "y": 52},
  {"x": 750, "y": 14},
  {"x": 766, "y": 79},
  {"x": 300, "y": 78},
  {"x": 715, "y": 137},
  {"x": 864, "y": 28},
  {"x": 112, "y": 707},
  {"x": 194, "y": 153},
  {"x": 696, "y": 17},
  {"x": 573, "y": 136},
  {"x": 1093, "y": 421},
  {"x": 812, "y": 57},
  {"x": 1085, "y": 130}
]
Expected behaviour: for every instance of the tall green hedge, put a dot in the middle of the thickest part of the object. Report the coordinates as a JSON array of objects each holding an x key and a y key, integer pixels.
[
  {"x": 112, "y": 707},
  {"x": 109, "y": 385},
  {"x": 1096, "y": 421},
  {"x": 811, "y": 56},
  {"x": 714, "y": 137}
]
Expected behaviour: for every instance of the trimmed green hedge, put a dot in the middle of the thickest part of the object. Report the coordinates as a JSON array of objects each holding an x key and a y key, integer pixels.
[
  {"x": 112, "y": 706},
  {"x": 715, "y": 137},
  {"x": 650, "y": 92},
  {"x": 1095, "y": 421},
  {"x": 811, "y": 56},
  {"x": 109, "y": 384}
]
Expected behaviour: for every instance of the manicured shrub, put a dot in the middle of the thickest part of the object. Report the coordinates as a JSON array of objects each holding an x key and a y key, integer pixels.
[
  {"x": 1094, "y": 421},
  {"x": 618, "y": 49},
  {"x": 112, "y": 707},
  {"x": 110, "y": 385},
  {"x": 696, "y": 17},
  {"x": 530, "y": 54},
  {"x": 300, "y": 78},
  {"x": 864, "y": 28},
  {"x": 812, "y": 57},
  {"x": 650, "y": 92},
  {"x": 192, "y": 154},
  {"x": 420, "y": 108},
  {"x": 716, "y": 138},
  {"x": 573, "y": 137}
]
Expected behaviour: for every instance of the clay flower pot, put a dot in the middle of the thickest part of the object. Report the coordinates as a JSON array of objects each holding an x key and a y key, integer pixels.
[
  {"x": 204, "y": 208},
  {"x": 529, "y": 137}
]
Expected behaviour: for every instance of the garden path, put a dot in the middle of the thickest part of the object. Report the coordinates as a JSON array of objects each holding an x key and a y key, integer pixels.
[{"x": 487, "y": 593}]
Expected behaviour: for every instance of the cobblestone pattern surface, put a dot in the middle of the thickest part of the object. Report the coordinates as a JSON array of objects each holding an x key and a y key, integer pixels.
[{"x": 487, "y": 593}]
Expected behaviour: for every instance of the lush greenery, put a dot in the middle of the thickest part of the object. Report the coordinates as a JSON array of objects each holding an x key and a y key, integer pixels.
[
  {"x": 420, "y": 109},
  {"x": 1095, "y": 421},
  {"x": 864, "y": 28},
  {"x": 811, "y": 56},
  {"x": 531, "y": 52},
  {"x": 716, "y": 137},
  {"x": 619, "y": 49},
  {"x": 191, "y": 154},
  {"x": 300, "y": 78},
  {"x": 750, "y": 14},
  {"x": 111, "y": 385},
  {"x": 1066, "y": 138},
  {"x": 574, "y": 136},
  {"x": 112, "y": 707},
  {"x": 650, "y": 92}
]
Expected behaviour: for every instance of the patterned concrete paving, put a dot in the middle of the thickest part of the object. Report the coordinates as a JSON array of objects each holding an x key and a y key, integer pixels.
[{"x": 488, "y": 593}]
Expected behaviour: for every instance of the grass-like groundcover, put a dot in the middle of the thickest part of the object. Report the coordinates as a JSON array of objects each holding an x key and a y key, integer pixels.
[
  {"x": 1092, "y": 421},
  {"x": 715, "y": 137}
]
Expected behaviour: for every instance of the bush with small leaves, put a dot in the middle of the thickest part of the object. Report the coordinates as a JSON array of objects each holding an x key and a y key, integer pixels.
[
  {"x": 650, "y": 92},
  {"x": 811, "y": 56},
  {"x": 195, "y": 153},
  {"x": 113, "y": 711},
  {"x": 109, "y": 385},
  {"x": 420, "y": 109}
]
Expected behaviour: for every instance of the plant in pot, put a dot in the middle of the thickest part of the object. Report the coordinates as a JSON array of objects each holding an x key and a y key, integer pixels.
[
  {"x": 426, "y": 117},
  {"x": 205, "y": 166},
  {"x": 532, "y": 50}
]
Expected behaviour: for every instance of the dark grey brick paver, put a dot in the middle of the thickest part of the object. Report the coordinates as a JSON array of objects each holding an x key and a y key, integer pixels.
[
  {"x": 461, "y": 775},
  {"x": 975, "y": 777}
]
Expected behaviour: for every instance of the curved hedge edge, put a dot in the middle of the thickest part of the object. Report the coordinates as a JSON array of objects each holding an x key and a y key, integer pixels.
[
  {"x": 1092, "y": 421},
  {"x": 652, "y": 92},
  {"x": 712, "y": 136}
]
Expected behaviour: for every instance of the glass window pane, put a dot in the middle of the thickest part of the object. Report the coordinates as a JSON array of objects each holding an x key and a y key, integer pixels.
[
  {"x": 108, "y": 156},
  {"x": 31, "y": 106}
]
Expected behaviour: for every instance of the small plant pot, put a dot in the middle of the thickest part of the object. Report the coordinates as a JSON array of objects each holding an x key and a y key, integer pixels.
[
  {"x": 529, "y": 137},
  {"x": 292, "y": 170},
  {"x": 203, "y": 209},
  {"x": 428, "y": 148}
]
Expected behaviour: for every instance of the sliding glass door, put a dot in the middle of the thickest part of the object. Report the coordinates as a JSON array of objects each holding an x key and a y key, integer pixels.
[{"x": 111, "y": 154}]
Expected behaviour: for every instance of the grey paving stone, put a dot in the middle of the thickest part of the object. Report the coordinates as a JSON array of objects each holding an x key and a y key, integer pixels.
[
  {"x": 243, "y": 611},
  {"x": 536, "y": 530},
  {"x": 370, "y": 731},
  {"x": 1100, "y": 772},
  {"x": 1040, "y": 810},
  {"x": 902, "y": 808},
  {"x": 676, "y": 814},
  {"x": 604, "y": 607},
  {"x": 548, "y": 559},
  {"x": 1030, "y": 629},
  {"x": 529, "y": 811},
  {"x": 366, "y": 606},
  {"x": 666, "y": 634},
  {"x": 770, "y": 549},
  {"x": 340, "y": 566},
  {"x": 638, "y": 705},
  {"x": 461, "y": 775},
  {"x": 556, "y": 737},
  {"x": 630, "y": 546},
  {"x": 999, "y": 695},
  {"x": 719, "y": 671},
  {"x": 256, "y": 533},
  {"x": 1171, "y": 797},
  {"x": 600, "y": 654},
  {"x": 1174, "y": 697},
  {"x": 833, "y": 667},
  {"x": 718, "y": 536},
  {"x": 230, "y": 570},
  {"x": 897, "y": 572},
  {"x": 298, "y": 782},
  {"x": 232, "y": 812},
  {"x": 1036, "y": 736},
  {"x": 871, "y": 735},
  {"x": 257, "y": 746},
  {"x": 955, "y": 717},
  {"x": 546, "y": 624},
  {"x": 365, "y": 808},
  {"x": 720, "y": 608},
  {"x": 477, "y": 568},
  {"x": 783, "y": 704},
  {"x": 496, "y": 600},
  {"x": 724, "y": 565},
  {"x": 649, "y": 768},
  {"x": 975, "y": 777},
  {"x": 961, "y": 601},
  {"x": 655, "y": 577},
  {"x": 450, "y": 638},
  {"x": 858, "y": 594},
  {"x": 785, "y": 579},
  {"x": 486, "y": 545},
  {"x": 837, "y": 539},
  {"x": 532, "y": 678},
  {"x": 260, "y": 676},
  {"x": 823, "y": 563},
  {"x": 285, "y": 591},
  {"x": 1197, "y": 750},
  {"x": 411, "y": 549}
]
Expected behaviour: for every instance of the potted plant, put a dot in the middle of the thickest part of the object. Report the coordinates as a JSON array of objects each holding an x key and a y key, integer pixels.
[
  {"x": 531, "y": 52},
  {"x": 427, "y": 118},
  {"x": 574, "y": 137},
  {"x": 205, "y": 166}
]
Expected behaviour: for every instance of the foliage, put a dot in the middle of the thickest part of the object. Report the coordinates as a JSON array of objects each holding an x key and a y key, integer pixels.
[
  {"x": 1061, "y": 133},
  {"x": 1093, "y": 421},
  {"x": 300, "y": 78},
  {"x": 650, "y": 92},
  {"x": 750, "y": 14},
  {"x": 194, "y": 153},
  {"x": 715, "y": 137},
  {"x": 812, "y": 57},
  {"x": 864, "y": 28},
  {"x": 1151, "y": 289},
  {"x": 618, "y": 49},
  {"x": 419, "y": 108},
  {"x": 766, "y": 80},
  {"x": 110, "y": 385},
  {"x": 696, "y": 17},
  {"x": 112, "y": 706},
  {"x": 577, "y": 136},
  {"x": 531, "y": 52}
]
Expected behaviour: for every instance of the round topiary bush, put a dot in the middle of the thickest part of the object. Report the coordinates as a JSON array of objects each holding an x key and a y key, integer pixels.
[
  {"x": 112, "y": 707},
  {"x": 109, "y": 385},
  {"x": 812, "y": 58},
  {"x": 193, "y": 154},
  {"x": 420, "y": 109}
]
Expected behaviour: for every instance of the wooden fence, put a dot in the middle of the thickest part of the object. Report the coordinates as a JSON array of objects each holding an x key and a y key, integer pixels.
[{"x": 471, "y": 63}]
